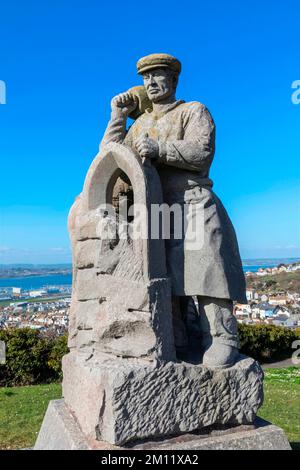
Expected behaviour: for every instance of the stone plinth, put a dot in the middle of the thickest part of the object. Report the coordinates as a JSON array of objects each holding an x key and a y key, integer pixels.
[
  {"x": 60, "y": 431},
  {"x": 119, "y": 401}
]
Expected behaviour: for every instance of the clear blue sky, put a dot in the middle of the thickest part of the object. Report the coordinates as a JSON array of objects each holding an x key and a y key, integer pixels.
[{"x": 63, "y": 60}]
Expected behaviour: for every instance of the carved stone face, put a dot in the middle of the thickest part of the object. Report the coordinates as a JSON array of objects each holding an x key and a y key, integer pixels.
[{"x": 160, "y": 84}]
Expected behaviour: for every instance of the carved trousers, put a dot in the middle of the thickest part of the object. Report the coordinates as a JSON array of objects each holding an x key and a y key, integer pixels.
[
  {"x": 212, "y": 321},
  {"x": 217, "y": 321}
]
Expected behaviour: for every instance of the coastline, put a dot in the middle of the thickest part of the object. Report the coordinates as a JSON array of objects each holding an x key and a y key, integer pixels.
[{"x": 36, "y": 280}]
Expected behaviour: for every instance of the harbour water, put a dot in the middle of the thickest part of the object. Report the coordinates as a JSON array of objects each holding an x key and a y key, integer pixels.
[{"x": 37, "y": 282}]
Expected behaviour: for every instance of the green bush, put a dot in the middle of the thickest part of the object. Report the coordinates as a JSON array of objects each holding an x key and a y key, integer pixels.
[
  {"x": 267, "y": 342},
  {"x": 31, "y": 357},
  {"x": 297, "y": 331},
  {"x": 58, "y": 350}
]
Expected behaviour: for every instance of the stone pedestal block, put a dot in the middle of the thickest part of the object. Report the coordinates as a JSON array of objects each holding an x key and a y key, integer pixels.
[
  {"x": 119, "y": 401},
  {"x": 60, "y": 431}
]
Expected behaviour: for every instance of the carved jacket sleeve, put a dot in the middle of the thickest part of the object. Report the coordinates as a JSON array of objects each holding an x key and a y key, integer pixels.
[
  {"x": 196, "y": 150},
  {"x": 115, "y": 131}
]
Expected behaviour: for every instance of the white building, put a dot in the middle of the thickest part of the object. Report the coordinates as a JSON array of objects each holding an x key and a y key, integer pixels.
[
  {"x": 37, "y": 293},
  {"x": 16, "y": 291},
  {"x": 281, "y": 311},
  {"x": 249, "y": 295},
  {"x": 262, "y": 310},
  {"x": 282, "y": 269},
  {"x": 261, "y": 272},
  {"x": 243, "y": 310},
  {"x": 278, "y": 300}
]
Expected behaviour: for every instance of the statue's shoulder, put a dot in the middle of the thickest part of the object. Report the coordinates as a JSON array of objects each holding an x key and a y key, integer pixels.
[
  {"x": 193, "y": 106},
  {"x": 197, "y": 110}
]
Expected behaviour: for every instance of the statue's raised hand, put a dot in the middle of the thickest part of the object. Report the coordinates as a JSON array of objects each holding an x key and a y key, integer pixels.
[{"x": 123, "y": 104}]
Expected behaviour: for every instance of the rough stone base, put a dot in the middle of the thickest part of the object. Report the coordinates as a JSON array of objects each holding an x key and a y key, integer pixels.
[
  {"x": 119, "y": 401},
  {"x": 60, "y": 431}
]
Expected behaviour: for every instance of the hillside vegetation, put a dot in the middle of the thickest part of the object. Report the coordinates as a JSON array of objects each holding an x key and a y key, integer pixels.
[{"x": 275, "y": 283}]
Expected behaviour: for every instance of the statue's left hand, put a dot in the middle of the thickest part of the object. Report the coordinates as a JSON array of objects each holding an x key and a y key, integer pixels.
[{"x": 147, "y": 147}]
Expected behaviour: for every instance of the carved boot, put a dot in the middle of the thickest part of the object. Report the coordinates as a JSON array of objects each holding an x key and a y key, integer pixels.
[{"x": 219, "y": 332}]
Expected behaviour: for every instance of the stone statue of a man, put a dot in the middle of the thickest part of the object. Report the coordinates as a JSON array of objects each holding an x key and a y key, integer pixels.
[{"x": 179, "y": 138}]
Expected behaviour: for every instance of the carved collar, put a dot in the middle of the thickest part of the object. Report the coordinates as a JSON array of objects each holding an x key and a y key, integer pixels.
[{"x": 166, "y": 109}]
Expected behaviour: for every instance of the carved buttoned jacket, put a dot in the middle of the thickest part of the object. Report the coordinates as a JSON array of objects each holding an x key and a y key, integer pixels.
[{"x": 185, "y": 133}]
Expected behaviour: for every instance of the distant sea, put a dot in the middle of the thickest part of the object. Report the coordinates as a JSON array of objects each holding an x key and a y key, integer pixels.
[
  {"x": 254, "y": 265},
  {"x": 37, "y": 282}
]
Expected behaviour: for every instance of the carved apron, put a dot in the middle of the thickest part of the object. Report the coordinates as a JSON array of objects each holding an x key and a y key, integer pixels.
[{"x": 212, "y": 265}]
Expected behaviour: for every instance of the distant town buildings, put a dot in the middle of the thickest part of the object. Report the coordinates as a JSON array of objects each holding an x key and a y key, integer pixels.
[
  {"x": 37, "y": 315},
  {"x": 276, "y": 270},
  {"x": 43, "y": 309},
  {"x": 267, "y": 304},
  {"x": 281, "y": 310}
]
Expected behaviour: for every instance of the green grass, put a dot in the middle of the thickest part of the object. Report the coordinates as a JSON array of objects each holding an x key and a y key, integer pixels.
[
  {"x": 22, "y": 408},
  {"x": 21, "y": 413},
  {"x": 282, "y": 401}
]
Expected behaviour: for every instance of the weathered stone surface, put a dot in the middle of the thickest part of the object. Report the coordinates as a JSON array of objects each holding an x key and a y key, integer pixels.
[
  {"x": 87, "y": 253},
  {"x": 262, "y": 435},
  {"x": 114, "y": 304},
  {"x": 127, "y": 334},
  {"x": 129, "y": 323},
  {"x": 126, "y": 400},
  {"x": 86, "y": 225},
  {"x": 90, "y": 285},
  {"x": 88, "y": 394},
  {"x": 121, "y": 298},
  {"x": 60, "y": 431},
  {"x": 108, "y": 328},
  {"x": 88, "y": 314}
]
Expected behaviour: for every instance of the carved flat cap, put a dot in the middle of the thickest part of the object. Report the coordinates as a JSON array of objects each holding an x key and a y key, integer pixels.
[{"x": 155, "y": 61}]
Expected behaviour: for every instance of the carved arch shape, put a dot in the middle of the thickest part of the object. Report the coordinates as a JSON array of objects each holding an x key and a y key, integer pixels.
[{"x": 101, "y": 176}]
